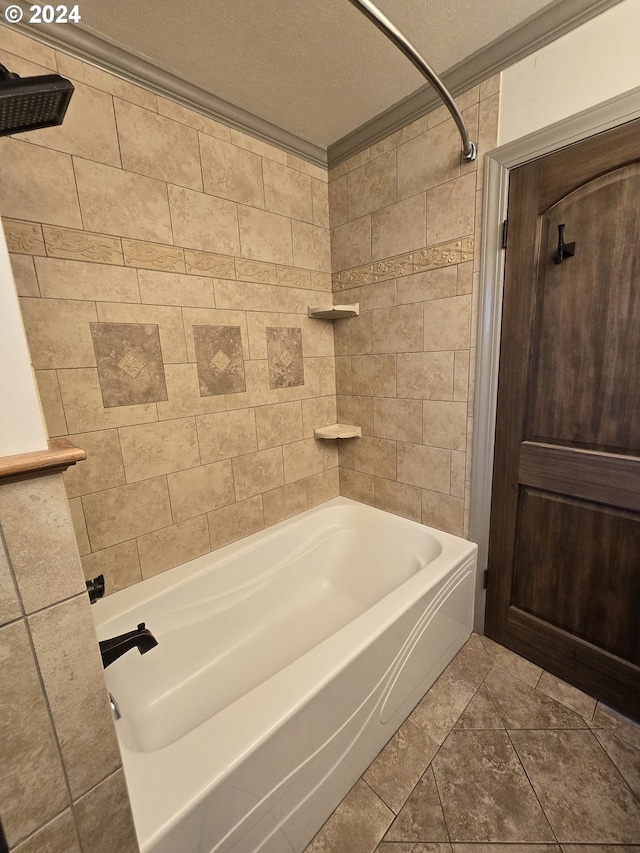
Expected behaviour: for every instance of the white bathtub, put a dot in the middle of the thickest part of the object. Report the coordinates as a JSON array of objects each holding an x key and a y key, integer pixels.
[{"x": 284, "y": 664}]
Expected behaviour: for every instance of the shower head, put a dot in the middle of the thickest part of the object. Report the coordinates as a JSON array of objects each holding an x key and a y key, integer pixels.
[{"x": 28, "y": 103}]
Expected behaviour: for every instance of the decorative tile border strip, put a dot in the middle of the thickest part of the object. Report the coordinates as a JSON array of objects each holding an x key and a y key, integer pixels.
[
  {"x": 431, "y": 257},
  {"x": 31, "y": 238}
]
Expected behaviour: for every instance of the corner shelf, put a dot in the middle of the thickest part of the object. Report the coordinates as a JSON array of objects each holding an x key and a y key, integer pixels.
[
  {"x": 338, "y": 431},
  {"x": 334, "y": 312}
]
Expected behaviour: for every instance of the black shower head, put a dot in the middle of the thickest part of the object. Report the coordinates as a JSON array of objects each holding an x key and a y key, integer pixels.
[{"x": 27, "y": 103}]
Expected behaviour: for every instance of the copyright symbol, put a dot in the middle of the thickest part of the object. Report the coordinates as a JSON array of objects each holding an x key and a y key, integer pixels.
[{"x": 13, "y": 14}]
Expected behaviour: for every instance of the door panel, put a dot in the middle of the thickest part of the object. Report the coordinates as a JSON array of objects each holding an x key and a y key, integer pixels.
[
  {"x": 575, "y": 567},
  {"x": 564, "y": 551},
  {"x": 586, "y": 316}
]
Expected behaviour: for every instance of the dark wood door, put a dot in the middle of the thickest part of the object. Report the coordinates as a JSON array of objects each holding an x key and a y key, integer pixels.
[{"x": 563, "y": 584}]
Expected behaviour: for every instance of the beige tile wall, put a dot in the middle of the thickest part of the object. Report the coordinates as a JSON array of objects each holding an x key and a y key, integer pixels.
[
  {"x": 134, "y": 223},
  {"x": 405, "y": 218},
  {"x": 59, "y": 753}
]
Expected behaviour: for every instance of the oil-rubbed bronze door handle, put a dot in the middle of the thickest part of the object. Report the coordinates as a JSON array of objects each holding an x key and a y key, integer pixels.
[{"x": 565, "y": 250}]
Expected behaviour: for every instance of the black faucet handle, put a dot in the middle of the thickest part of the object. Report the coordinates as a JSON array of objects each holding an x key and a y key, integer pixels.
[{"x": 141, "y": 627}]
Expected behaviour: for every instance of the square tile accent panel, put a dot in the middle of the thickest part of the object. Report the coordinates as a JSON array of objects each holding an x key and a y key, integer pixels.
[
  {"x": 284, "y": 353},
  {"x": 219, "y": 359},
  {"x": 130, "y": 367}
]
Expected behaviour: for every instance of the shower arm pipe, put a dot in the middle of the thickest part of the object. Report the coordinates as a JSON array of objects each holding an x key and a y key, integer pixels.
[{"x": 371, "y": 11}]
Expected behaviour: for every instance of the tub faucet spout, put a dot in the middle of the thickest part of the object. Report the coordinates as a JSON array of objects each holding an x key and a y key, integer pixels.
[{"x": 112, "y": 649}]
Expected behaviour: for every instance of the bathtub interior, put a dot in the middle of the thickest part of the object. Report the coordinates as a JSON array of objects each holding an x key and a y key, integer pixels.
[
  {"x": 249, "y": 613},
  {"x": 263, "y": 773}
]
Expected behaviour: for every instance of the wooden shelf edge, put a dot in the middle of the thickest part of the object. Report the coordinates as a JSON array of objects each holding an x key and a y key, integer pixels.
[{"x": 59, "y": 456}]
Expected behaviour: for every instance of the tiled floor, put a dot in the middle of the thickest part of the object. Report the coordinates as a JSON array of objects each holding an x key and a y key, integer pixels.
[{"x": 498, "y": 752}]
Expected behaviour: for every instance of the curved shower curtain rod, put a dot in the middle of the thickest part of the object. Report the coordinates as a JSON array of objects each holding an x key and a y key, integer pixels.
[{"x": 393, "y": 33}]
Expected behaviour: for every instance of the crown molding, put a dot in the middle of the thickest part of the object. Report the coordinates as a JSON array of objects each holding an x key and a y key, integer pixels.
[
  {"x": 96, "y": 50},
  {"x": 521, "y": 41}
]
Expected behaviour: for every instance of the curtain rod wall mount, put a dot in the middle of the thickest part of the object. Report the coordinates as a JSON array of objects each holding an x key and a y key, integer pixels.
[{"x": 374, "y": 14}]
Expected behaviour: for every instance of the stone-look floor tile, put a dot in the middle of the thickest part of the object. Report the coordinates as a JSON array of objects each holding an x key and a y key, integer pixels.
[
  {"x": 40, "y": 541},
  {"x": 583, "y": 795},
  {"x": 523, "y": 707},
  {"x": 472, "y": 663},
  {"x": 65, "y": 641},
  {"x": 480, "y": 713},
  {"x": 442, "y": 705},
  {"x": 505, "y": 848},
  {"x": 484, "y": 791},
  {"x": 105, "y": 823},
  {"x": 32, "y": 784},
  {"x": 616, "y": 723},
  {"x": 356, "y": 826},
  {"x": 398, "y": 768},
  {"x": 119, "y": 564},
  {"x": 421, "y": 817},
  {"x": 513, "y": 663},
  {"x": 59, "y": 836},
  {"x": 567, "y": 695},
  {"x": 625, "y": 757},
  {"x": 600, "y": 848},
  {"x": 410, "y": 847}
]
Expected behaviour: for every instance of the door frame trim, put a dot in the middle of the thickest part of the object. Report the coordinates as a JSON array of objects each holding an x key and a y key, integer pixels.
[{"x": 497, "y": 166}]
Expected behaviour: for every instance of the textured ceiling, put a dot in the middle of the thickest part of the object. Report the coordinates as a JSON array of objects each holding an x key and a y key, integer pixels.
[{"x": 316, "y": 68}]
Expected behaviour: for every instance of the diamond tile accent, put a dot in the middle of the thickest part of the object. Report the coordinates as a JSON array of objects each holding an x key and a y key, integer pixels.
[
  {"x": 220, "y": 360},
  {"x": 130, "y": 366}
]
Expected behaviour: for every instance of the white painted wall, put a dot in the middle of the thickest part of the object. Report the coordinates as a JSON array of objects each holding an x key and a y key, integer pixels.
[
  {"x": 589, "y": 65},
  {"x": 22, "y": 426}
]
